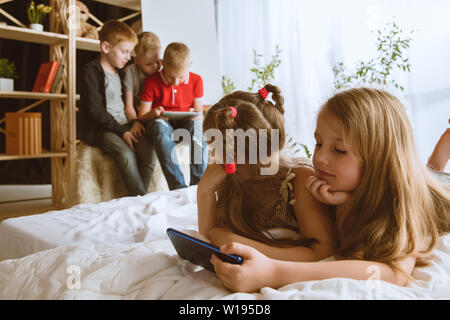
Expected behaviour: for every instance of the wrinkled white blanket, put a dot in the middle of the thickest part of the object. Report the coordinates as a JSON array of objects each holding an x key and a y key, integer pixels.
[
  {"x": 124, "y": 220},
  {"x": 152, "y": 270},
  {"x": 119, "y": 250}
]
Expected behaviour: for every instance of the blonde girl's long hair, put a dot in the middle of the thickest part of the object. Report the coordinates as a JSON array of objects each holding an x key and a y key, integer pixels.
[
  {"x": 240, "y": 202},
  {"x": 398, "y": 209}
]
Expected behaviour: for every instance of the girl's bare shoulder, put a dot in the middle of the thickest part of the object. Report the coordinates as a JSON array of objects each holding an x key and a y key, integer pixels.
[{"x": 302, "y": 172}]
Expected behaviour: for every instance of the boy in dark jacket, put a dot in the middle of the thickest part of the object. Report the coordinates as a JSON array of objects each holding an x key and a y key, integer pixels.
[{"x": 101, "y": 119}]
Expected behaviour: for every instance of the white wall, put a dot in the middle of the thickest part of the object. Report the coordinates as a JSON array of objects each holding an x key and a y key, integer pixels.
[
  {"x": 193, "y": 23},
  {"x": 315, "y": 35}
]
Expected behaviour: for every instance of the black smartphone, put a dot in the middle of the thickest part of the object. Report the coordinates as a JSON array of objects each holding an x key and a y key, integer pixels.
[{"x": 198, "y": 251}]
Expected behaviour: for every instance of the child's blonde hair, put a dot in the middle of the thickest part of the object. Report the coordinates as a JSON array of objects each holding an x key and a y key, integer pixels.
[
  {"x": 398, "y": 209},
  {"x": 176, "y": 56},
  {"x": 114, "y": 31},
  {"x": 240, "y": 205},
  {"x": 148, "y": 43}
]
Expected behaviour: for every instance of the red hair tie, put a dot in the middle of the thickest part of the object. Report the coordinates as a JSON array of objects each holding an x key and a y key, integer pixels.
[
  {"x": 233, "y": 112},
  {"x": 263, "y": 93},
  {"x": 230, "y": 168}
]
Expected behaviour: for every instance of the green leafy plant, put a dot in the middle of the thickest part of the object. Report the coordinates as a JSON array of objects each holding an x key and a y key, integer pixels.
[
  {"x": 37, "y": 14},
  {"x": 391, "y": 45},
  {"x": 296, "y": 147},
  {"x": 227, "y": 85},
  {"x": 7, "y": 69},
  {"x": 307, "y": 152},
  {"x": 262, "y": 74}
]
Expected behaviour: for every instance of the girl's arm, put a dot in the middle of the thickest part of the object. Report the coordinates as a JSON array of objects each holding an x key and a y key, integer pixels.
[
  {"x": 206, "y": 197},
  {"x": 314, "y": 221},
  {"x": 221, "y": 236},
  {"x": 259, "y": 271},
  {"x": 353, "y": 269},
  {"x": 441, "y": 153}
]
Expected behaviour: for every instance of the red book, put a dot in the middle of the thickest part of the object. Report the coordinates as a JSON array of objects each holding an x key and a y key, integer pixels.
[{"x": 46, "y": 76}]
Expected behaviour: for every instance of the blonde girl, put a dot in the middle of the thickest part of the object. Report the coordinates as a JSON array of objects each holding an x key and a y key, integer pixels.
[
  {"x": 246, "y": 206},
  {"x": 389, "y": 210}
]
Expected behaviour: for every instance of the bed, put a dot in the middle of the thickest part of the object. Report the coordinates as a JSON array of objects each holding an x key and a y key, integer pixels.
[
  {"x": 119, "y": 250},
  {"x": 123, "y": 220}
]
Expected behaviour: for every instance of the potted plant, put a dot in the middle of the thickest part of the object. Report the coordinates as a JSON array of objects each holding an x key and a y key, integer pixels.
[
  {"x": 37, "y": 14},
  {"x": 7, "y": 75}
]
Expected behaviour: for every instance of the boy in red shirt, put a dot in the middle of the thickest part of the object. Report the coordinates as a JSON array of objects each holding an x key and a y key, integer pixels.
[{"x": 174, "y": 88}]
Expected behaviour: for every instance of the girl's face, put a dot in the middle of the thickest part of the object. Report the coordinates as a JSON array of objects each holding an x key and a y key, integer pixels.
[{"x": 333, "y": 158}]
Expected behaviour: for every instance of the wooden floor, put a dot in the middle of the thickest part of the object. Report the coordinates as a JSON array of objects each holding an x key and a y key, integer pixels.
[{"x": 19, "y": 200}]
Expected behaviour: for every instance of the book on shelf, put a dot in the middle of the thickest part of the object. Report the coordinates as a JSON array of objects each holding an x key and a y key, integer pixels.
[
  {"x": 46, "y": 76},
  {"x": 58, "y": 78}
]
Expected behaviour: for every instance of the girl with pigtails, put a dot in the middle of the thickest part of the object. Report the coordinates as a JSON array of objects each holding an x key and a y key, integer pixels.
[
  {"x": 389, "y": 210},
  {"x": 237, "y": 202}
]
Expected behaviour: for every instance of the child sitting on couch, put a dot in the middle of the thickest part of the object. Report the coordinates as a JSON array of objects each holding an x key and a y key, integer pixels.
[
  {"x": 101, "y": 118},
  {"x": 147, "y": 61},
  {"x": 174, "y": 88}
]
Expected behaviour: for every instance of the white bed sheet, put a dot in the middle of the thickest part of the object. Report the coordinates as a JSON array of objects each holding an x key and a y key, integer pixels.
[
  {"x": 152, "y": 270},
  {"x": 124, "y": 220},
  {"x": 119, "y": 250}
]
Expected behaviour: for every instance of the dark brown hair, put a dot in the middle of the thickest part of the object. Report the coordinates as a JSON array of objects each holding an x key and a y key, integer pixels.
[{"x": 240, "y": 205}]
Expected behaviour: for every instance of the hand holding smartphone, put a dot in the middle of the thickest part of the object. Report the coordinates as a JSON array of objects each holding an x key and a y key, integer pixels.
[{"x": 198, "y": 251}]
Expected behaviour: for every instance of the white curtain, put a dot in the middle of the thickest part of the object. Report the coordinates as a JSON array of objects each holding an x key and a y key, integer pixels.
[{"x": 315, "y": 35}]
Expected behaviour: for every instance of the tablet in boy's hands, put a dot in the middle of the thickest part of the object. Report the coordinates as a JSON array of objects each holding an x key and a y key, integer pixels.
[
  {"x": 198, "y": 251},
  {"x": 177, "y": 115}
]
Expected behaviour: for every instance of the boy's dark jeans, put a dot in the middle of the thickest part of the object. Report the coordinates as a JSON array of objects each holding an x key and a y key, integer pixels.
[
  {"x": 136, "y": 169},
  {"x": 160, "y": 132}
]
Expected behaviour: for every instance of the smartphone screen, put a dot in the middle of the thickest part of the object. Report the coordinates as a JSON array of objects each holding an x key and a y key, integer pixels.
[{"x": 198, "y": 251}]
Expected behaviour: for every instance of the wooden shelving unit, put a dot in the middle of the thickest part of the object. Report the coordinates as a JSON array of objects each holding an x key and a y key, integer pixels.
[
  {"x": 44, "y": 154},
  {"x": 28, "y": 35},
  {"x": 47, "y": 38},
  {"x": 34, "y": 95},
  {"x": 62, "y": 104},
  {"x": 87, "y": 44},
  {"x": 63, "y": 45},
  {"x": 128, "y": 4}
]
